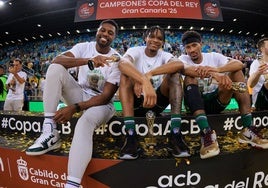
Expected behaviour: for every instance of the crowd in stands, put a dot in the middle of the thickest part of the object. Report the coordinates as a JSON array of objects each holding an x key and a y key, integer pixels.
[{"x": 38, "y": 55}]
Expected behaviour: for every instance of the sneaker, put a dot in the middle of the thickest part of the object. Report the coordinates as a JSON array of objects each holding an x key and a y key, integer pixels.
[
  {"x": 209, "y": 144},
  {"x": 178, "y": 146},
  {"x": 129, "y": 151},
  {"x": 252, "y": 136},
  {"x": 45, "y": 143}
]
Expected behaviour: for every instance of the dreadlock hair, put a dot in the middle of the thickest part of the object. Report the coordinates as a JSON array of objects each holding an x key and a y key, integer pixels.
[{"x": 154, "y": 29}]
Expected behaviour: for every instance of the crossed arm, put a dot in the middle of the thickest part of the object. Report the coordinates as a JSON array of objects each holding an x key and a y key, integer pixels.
[{"x": 142, "y": 81}]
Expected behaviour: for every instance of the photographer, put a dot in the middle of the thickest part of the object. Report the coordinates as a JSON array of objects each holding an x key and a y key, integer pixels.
[{"x": 15, "y": 85}]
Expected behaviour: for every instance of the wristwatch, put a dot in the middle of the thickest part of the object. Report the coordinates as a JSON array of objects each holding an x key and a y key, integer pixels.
[
  {"x": 77, "y": 107},
  {"x": 90, "y": 64}
]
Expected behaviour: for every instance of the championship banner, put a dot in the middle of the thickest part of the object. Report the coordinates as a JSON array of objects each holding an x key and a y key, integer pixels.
[{"x": 88, "y": 10}]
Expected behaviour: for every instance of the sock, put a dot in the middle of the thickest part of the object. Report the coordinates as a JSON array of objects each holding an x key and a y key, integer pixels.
[
  {"x": 246, "y": 120},
  {"x": 130, "y": 124},
  {"x": 49, "y": 124},
  {"x": 72, "y": 182},
  {"x": 175, "y": 123},
  {"x": 202, "y": 121}
]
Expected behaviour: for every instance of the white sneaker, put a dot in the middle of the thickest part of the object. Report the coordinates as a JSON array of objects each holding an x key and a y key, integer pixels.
[
  {"x": 46, "y": 142},
  {"x": 252, "y": 136}
]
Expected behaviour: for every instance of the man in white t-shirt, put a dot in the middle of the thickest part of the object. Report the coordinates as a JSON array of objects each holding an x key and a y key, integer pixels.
[
  {"x": 203, "y": 98},
  {"x": 98, "y": 81},
  {"x": 150, "y": 80},
  {"x": 258, "y": 77},
  {"x": 15, "y": 85}
]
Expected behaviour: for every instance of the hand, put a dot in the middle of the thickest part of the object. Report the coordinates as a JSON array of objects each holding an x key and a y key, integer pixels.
[
  {"x": 223, "y": 81},
  {"x": 263, "y": 69},
  {"x": 149, "y": 94},
  {"x": 138, "y": 89},
  {"x": 64, "y": 114},
  {"x": 205, "y": 71},
  {"x": 12, "y": 70},
  {"x": 101, "y": 61}
]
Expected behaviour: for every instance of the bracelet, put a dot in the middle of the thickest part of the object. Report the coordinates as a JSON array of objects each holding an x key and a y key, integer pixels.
[
  {"x": 90, "y": 64},
  {"x": 77, "y": 107}
]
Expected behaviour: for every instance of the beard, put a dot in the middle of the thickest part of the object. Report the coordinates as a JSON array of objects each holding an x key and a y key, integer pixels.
[
  {"x": 194, "y": 58},
  {"x": 103, "y": 45}
]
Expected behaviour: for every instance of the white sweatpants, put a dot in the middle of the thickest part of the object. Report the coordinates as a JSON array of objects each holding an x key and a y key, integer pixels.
[
  {"x": 82, "y": 144},
  {"x": 61, "y": 85}
]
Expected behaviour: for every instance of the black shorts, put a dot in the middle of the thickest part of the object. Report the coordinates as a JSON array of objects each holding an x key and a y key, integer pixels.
[
  {"x": 212, "y": 104},
  {"x": 161, "y": 105},
  {"x": 262, "y": 99}
]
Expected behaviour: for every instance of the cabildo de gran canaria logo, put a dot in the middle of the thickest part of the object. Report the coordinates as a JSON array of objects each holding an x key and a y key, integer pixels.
[
  {"x": 40, "y": 176},
  {"x": 23, "y": 169}
]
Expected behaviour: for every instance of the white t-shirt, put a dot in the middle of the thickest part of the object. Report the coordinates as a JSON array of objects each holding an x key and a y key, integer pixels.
[
  {"x": 143, "y": 63},
  {"x": 93, "y": 81},
  {"x": 212, "y": 59},
  {"x": 254, "y": 68},
  {"x": 18, "y": 93}
]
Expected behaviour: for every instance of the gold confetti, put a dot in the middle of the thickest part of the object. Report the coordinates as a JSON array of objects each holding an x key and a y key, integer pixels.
[{"x": 108, "y": 146}]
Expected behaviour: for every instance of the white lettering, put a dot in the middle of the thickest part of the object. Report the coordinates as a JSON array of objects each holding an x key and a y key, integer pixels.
[
  {"x": 123, "y": 4},
  {"x": 257, "y": 121},
  {"x": 156, "y": 11},
  {"x": 39, "y": 181},
  {"x": 43, "y": 173},
  {"x": 24, "y": 126},
  {"x": 237, "y": 124},
  {"x": 130, "y": 11},
  {"x": 176, "y": 4},
  {"x": 259, "y": 178},
  {"x": 165, "y": 178},
  {"x": 66, "y": 128},
  {"x": 191, "y": 4},
  {"x": 181, "y": 180},
  {"x": 142, "y": 127},
  {"x": 158, "y": 3},
  {"x": 115, "y": 124},
  {"x": 56, "y": 184}
]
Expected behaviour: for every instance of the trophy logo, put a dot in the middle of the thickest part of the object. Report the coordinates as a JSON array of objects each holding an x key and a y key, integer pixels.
[
  {"x": 239, "y": 87},
  {"x": 22, "y": 169},
  {"x": 150, "y": 141}
]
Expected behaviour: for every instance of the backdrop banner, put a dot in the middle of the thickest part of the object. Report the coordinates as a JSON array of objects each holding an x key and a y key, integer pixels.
[
  {"x": 237, "y": 165},
  {"x": 87, "y": 10}
]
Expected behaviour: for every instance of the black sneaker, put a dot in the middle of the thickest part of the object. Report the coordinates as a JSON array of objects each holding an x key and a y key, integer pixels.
[
  {"x": 129, "y": 151},
  {"x": 178, "y": 146}
]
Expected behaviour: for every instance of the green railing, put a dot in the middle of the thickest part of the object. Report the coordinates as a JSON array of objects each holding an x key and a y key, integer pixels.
[{"x": 37, "y": 106}]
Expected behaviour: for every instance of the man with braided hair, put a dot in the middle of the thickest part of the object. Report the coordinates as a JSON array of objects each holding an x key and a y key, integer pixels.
[{"x": 150, "y": 80}]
